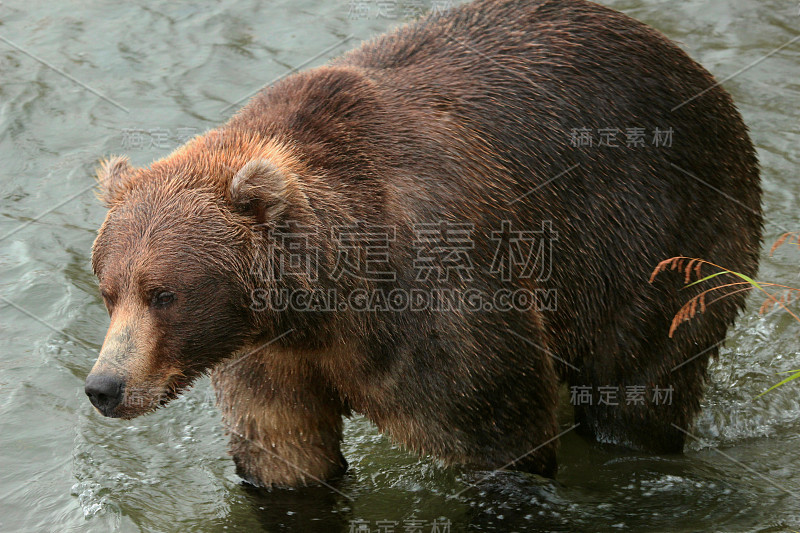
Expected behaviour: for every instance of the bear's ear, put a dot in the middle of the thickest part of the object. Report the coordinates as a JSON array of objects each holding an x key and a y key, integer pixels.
[
  {"x": 113, "y": 175},
  {"x": 266, "y": 192}
]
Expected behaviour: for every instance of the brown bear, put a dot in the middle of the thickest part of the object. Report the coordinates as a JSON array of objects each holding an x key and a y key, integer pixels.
[{"x": 464, "y": 214}]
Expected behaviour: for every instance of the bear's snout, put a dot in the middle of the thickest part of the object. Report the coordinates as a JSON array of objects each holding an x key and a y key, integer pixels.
[{"x": 104, "y": 391}]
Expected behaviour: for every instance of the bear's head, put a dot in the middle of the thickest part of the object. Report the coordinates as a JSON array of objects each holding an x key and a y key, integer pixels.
[{"x": 177, "y": 259}]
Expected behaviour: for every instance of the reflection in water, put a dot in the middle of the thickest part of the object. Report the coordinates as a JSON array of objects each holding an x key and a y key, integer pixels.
[{"x": 304, "y": 509}]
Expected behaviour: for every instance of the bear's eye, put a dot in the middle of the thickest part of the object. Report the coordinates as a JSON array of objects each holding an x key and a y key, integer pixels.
[
  {"x": 162, "y": 299},
  {"x": 108, "y": 300}
]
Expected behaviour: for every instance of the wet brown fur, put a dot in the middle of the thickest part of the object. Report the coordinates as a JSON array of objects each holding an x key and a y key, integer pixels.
[{"x": 461, "y": 117}]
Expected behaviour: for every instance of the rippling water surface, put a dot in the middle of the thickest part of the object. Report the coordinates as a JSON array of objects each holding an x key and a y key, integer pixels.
[{"x": 165, "y": 71}]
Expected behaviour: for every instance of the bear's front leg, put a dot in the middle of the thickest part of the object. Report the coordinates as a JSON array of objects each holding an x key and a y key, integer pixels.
[{"x": 285, "y": 423}]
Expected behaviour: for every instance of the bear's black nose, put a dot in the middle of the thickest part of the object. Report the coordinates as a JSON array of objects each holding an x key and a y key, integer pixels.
[{"x": 104, "y": 391}]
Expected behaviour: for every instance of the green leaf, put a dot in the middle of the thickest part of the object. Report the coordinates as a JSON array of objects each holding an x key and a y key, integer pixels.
[
  {"x": 748, "y": 279},
  {"x": 708, "y": 278},
  {"x": 787, "y": 380}
]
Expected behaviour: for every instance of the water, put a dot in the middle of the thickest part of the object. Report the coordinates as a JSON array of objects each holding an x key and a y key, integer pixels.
[{"x": 167, "y": 70}]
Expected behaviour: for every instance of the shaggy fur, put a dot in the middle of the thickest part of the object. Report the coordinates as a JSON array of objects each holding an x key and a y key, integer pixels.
[{"x": 459, "y": 117}]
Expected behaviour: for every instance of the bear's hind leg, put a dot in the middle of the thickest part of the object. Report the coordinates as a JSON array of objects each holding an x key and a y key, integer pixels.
[{"x": 644, "y": 395}]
